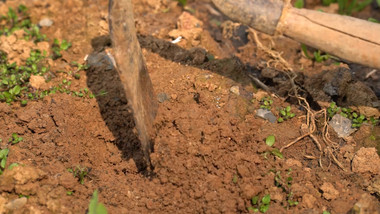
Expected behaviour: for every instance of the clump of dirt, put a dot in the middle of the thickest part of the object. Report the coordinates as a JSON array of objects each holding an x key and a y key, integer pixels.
[{"x": 210, "y": 154}]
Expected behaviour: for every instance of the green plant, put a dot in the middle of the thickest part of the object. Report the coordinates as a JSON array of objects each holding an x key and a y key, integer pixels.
[
  {"x": 15, "y": 139},
  {"x": 3, "y": 159},
  {"x": 95, "y": 207},
  {"x": 285, "y": 114},
  {"x": 13, "y": 165},
  {"x": 347, "y": 7},
  {"x": 285, "y": 185},
  {"x": 182, "y": 2},
  {"x": 266, "y": 103},
  {"x": 235, "y": 179},
  {"x": 317, "y": 55},
  {"x": 270, "y": 140},
  {"x": 299, "y": 3},
  {"x": 69, "y": 193},
  {"x": 373, "y": 20},
  {"x": 79, "y": 172},
  {"x": 332, "y": 109},
  {"x": 57, "y": 47},
  {"x": 326, "y": 212},
  {"x": 260, "y": 205}
]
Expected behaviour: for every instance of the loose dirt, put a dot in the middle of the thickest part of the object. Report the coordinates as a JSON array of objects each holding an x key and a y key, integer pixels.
[{"x": 209, "y": 152}]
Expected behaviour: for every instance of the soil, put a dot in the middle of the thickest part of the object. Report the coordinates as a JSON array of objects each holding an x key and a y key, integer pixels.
[{"x": 210, "y": 154}]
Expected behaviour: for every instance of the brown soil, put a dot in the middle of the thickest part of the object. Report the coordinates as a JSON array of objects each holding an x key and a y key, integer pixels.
[{"x": 209, "y": 152}]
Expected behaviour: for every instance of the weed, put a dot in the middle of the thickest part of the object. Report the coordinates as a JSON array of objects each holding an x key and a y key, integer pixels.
[
  {"x": 260, "y": 205},
  {"x": 3, "y": 159},
  {"x": 80, "y": 173},
  {"x": 266, "y": 103},
  {"x": 182, "y": 2},
  {"x": 235, "y": 179},
  {"x": 95, "y": 207},
  {"x": 286, "y": 114},
  {"x": 347, "y": 7},
  {"x": 285, "y": 185},
  {"x": 326, "y": 212},
  {"x": 57, "y": 47},
  {"x": 356, "y": 118},
  {"x": 15, "y": 139},
  {"x": 373, "y": 20},
  {"x": 12, "y": 165},
  {"x": 270, "y": 140},
  {"x": 69, "y": 193},
  {"x": 299, "y": 4}
]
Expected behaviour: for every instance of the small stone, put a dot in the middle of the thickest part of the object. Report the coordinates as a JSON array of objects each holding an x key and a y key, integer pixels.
[
  {"x": 366, "y": 160},
  {"x": 341, "y": 125},
  {"x": 329, "y": 191},
  {"x": 293, "y": 162},
  {"x": 46, "y": 22},
  {"x": 374, "y": 187},
  {"x": 266, "y": 114},
  {"x": 16, "y": 204},
  {"x": 235, "y": 90},
  {"x": 243, "y": 171},
  {"x": 36, "y": 81},
  {"x": 308, "y": 200},
  {"x": 174, "y": 96},
  {"x": 162, "y": 97},
  {"x": 366, "y": 204}
]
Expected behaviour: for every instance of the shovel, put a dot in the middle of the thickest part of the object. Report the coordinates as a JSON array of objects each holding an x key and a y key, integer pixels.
[
  {"x": 348, "y": 38},
  {"x": 133, "y": 72}
]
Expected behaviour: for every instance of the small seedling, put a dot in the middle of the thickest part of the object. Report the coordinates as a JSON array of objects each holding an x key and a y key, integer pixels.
[
  {"x": 57, "y": 47},
  {"x": 12, "y": 165},
  {"x": 260, "y": 205},
  {"x": 182, "y": 2},
  {"x": 373, "y": 20},
  {"x": 286, "y": 114},
  {"x": 3, "y": 159},
  {"x": 79, "y": 172},
  {"x": 266, "y": 103},
  {"x": 299, "y": 4},
  {"x": 69, "y": 193},
  {"x": 235, "y": 179},
  {"x": 95, "y": 207},
  {"x": 15, "y": 139},
  {"x": 326, "y": 212},
  {"x": 332, "y": 109},
  {"x": 270, "y": 140}
]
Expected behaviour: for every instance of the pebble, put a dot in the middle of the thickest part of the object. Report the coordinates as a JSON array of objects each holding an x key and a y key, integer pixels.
[
  {"x": 266, "y": 114},
  {"x": 162, "y": 97},
  {"x": 46, "y": 22},
  {"x": 16, "y": 204},
  {"x": 341, "y": 125},
  {"x": 235, "y": 90}
]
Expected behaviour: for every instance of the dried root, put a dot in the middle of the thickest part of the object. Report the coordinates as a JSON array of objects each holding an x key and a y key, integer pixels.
[{"x": 326, "y": 146}]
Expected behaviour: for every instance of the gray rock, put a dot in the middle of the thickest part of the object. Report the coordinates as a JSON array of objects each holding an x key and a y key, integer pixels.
[
  {"x": 341, "y": 125},
  {"x": 46, "y": 22},
  {"x": 162, "y": 97},
  {"x": 16, "y": 204},
  {"x": 266, "y": 114}
]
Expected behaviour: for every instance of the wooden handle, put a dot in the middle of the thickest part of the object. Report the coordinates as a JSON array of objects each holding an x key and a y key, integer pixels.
[{"x": 348, "y": 38}]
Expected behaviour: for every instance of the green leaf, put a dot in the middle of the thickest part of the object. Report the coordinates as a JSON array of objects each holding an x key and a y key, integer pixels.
[
  {"x": 255, "y": 200},
  {"x": 13, "y": 165},
  {"x": 16, "y": 90},
  {"x": 270, "y": 140},
  {"x": 3, "y": 162},
  {"x": 266, "y": 199},
  {"x": 299, "y": 3},
  {"x": 4, "y": 153},
  {"x": 264, "y": 208},
  {"x": 326, "y": 212},
  {"x": 277, "y": 153},
  {"x": 95, "y": 207}
]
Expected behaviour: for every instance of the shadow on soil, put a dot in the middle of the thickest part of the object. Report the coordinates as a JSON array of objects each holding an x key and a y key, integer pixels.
[{"x": 104, "y": 81}]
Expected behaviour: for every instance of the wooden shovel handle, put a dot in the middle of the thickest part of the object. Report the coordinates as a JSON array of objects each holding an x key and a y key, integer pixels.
[{"x": 348, "y": 38}]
